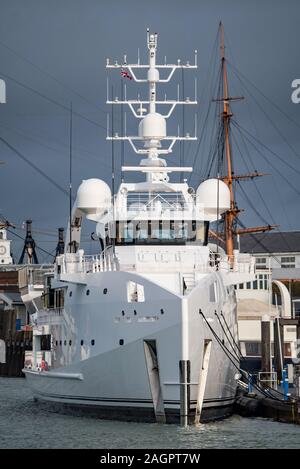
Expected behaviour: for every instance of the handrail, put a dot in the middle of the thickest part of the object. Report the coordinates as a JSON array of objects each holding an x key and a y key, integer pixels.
[{"x": 107, "y": 261}]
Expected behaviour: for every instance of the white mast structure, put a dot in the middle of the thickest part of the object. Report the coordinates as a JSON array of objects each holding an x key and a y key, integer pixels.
[{"x": 152, "y": 128}]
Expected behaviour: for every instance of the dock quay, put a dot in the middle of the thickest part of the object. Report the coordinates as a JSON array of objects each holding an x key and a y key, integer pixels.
[
  {"x": 255, "y": 405},
  {"x": 17, "y": 282}
]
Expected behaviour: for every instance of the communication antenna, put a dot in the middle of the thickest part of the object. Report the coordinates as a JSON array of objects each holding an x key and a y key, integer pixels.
[
  {"x": 152, "y": 127},
  {"x": 70, "y": 175}
]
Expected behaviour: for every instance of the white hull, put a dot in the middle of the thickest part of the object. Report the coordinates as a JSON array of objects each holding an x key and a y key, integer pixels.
[{"x": 113, "y": 377}]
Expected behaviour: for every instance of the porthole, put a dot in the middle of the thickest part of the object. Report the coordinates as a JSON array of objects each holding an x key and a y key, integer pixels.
[
  {"x": 121, "y": 341},
  {"x": 87, "y": 292},
  {"x": 60, "y": 342},
  {"x": 70, "y": 342},
  {"x": 65, "y": 342},
  {"x": 92, "y": 342},
  {"x": 104, "y": 291},
  {"x": 81, "y": 342}
]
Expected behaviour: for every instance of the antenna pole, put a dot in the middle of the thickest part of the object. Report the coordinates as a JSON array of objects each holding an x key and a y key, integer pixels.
[
  {"x": 70, "y": 175},
  {"x": 113, "y": 170},
  {"x": 183, "y": 125},
  {"x": 226, "y": 115},
  {"x": 122, "y": 131},
  {"x": 112, "y": 147}
]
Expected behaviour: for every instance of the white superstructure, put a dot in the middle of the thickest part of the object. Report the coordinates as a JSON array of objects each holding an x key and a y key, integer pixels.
[{"x": 128, "y": 331}]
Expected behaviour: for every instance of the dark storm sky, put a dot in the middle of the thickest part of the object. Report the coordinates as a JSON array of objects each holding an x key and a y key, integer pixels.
[{"x": 70, "y": 40}]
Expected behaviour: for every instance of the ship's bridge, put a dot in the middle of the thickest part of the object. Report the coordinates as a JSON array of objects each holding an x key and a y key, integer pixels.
[{"x": 156, "y": 217}]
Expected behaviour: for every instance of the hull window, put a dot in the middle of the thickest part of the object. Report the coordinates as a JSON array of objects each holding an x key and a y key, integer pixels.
[
  {"x": 135, "y": 292},
  {"x": 213, "y": 292}
]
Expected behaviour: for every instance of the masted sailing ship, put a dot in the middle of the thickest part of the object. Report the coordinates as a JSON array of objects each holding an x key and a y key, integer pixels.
[{"x": 136, "y": 332}]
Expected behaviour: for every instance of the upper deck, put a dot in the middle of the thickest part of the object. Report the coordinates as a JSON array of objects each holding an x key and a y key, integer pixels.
[{"x": 149, "y": 259}]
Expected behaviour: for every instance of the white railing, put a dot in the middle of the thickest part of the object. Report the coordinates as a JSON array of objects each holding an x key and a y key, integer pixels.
[
  {"x": 158, "y": 260},
  {"x": 47, "y": 316},
  {"x": 33, "y": 274},
  {"x": 78, "y": 263},
  {"x": 268, "y": 379}
]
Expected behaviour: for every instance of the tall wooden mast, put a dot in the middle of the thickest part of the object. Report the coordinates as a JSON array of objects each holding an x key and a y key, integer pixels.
[
  {"x": 230, "y": 215},
  {"x": 226, "y": 115}
]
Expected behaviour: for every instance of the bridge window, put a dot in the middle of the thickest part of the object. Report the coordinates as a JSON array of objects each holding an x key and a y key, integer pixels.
[{"x": 161, "y": 232}]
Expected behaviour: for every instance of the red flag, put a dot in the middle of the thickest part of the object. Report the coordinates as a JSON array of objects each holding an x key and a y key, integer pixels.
[{"x": 125, "y": 74}]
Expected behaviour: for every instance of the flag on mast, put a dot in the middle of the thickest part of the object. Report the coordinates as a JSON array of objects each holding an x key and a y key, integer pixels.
[{"x": 125, "y": 74}]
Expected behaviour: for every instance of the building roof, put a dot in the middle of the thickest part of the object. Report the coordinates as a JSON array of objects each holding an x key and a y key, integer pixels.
[
  {"x": 273, "y": 242},
  {"x": 253, "y": 308},
  {"x": 11, "y": 298}
]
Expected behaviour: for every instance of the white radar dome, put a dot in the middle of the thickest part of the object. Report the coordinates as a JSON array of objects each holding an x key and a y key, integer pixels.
[
  {"x": 153, "y": 126},
  {"x": 93, "y": 197},
  {"x": 214, "y": 196}
]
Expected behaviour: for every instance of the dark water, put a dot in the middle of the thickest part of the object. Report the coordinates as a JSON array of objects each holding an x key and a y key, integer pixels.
[{"x": 24, "y": 424}]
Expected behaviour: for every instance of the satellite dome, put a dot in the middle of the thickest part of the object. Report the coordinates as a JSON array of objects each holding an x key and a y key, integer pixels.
[
  {"x": 93, "y": 197},
  {"x": 153, "y": 126},
  {"x": 214, "y": 196}
]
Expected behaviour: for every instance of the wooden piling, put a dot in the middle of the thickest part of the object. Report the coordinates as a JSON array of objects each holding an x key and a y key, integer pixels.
[
  {"x": 265, "y": 345},
  {"x": 278, "y": 347}
]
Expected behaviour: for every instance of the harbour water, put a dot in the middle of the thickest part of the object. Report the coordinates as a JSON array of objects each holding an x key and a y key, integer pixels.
[{"x": 25, "y": 424}]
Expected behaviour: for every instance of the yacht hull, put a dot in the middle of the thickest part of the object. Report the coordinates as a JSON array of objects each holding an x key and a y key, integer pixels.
[{"x": 113, "y": 378}]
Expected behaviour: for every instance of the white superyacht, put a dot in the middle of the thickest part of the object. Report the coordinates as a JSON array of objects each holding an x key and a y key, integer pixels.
[{"x": 132, "y": 333}]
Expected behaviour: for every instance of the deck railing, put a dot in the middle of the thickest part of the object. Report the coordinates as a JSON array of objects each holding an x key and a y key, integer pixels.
[
  {"x": 159, "y": 261},
  {"x": 47, "y": 316}
]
